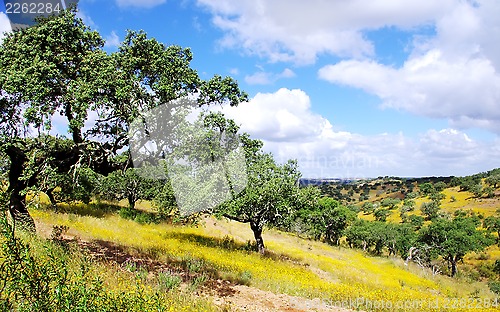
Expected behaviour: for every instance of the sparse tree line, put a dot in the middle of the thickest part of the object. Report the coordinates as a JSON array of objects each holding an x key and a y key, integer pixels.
[{"x": 445, "y": 237}]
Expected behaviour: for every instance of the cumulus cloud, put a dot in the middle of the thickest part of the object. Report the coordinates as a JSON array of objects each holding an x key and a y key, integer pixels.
[
  {"x": 4, "y": 25},
  {"x": 86, "y": 19},
  {"x": 112, "y": 41},
  {"x": 283, "y": 116},
  {"x": 291, "y": 130},
  {"x": 299, "y": 31},
  {"x": 139, "y": 3},
  {"x": 264, "y": 78},
  {"x": 453, "y": 75}
]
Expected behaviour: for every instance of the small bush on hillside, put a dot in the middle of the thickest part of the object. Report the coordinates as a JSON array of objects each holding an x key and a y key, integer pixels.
[
  {"x": 138, "y": 216},
  {"x": 496, "y": 267},
  {"x": 494, "y": 287},
  {"x": 168, "y": 281},
  {"x": 39, "y": 275}
]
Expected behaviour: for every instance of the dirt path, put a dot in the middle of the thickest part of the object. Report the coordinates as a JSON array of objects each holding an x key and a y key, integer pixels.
[
  {"x": 223, "y": 293},
  {"x": 256, "y": 300}
]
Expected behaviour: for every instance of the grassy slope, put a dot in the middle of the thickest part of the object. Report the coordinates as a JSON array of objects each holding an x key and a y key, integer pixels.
[
  {"x": 462, "y": 200},
  {"x": 310, "y": 269}
]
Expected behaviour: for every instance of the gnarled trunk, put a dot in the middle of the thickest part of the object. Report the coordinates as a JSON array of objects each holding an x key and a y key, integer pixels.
[
  {"x": 257, "y": 233},
  {"x": 17, "y": 200},
  {"x": 453, "y": 265}
]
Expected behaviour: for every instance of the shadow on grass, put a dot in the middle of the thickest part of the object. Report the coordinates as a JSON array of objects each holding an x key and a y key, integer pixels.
[
  {"x": 227, "y": 243},
  {"x": 195, "y": 271},
  {"x": 97, "y": 210},
  {"x": 140, "y": 216}
]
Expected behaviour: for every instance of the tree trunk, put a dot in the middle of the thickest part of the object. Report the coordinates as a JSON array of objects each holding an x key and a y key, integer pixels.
[
  {"x": 131, "y": 201},
  {"x": 257, "y": 233},
  {"x": 17, "y": 201},
  {"x": 77, "y": 133},
  {"x": 51, "y": 197},
  {"x": 453, "y": 265}
]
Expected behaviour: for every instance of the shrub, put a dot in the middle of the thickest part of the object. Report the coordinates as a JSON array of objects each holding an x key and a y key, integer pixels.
[
  {"x": 39, "y": 275},
  {"x": 138, "y": 216},
  {"x": 430, "y": 210},
  {"x": 168, "y": 281},
  {"x": 494, "y": 287},
  {"x": 496, "y": 267},
  {"x": 128, "y": 213}
]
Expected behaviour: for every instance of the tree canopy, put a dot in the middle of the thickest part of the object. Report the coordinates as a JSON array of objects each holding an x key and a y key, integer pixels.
[
  {"x": 58, "y": 69},
  {"x": 453, "y": 239},
  {"x": 270, "y": 194}
]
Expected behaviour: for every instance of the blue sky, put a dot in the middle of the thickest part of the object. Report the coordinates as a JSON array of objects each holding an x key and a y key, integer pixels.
[{"x": 349, "y": 88}]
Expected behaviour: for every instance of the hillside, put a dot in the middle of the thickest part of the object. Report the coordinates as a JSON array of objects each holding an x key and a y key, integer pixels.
[
  {"x": 214, "y": 260},
  {"x": 399, "y": 201}
]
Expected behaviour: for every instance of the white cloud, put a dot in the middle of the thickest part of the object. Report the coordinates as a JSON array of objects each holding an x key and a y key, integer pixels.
[
  {"x": 264, "y": 78},
  {"x": 87, "y": 20},
  {"x": 112, "y": 41},
  {"x": 261, "y": 78},
  {"x": 299, "y": 31},
  {"x": 454, "y": 75},
  {"x": 291, "y": 130},
  {"x": 4, "y": 25},
  {"x": 287, "y": 73},
  {"x": 196, "y": 24},
  {"x": 139, "y": 3},
  {"x": 234, "y": 71},
  {"x": 283, "y": 116}
]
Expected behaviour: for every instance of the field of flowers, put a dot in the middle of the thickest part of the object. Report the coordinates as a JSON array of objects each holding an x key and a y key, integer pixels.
[{"x": 295, "y": 266}]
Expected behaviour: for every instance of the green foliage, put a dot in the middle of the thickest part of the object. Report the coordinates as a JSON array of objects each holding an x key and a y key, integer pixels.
[
  {"x": 496, "y": 267},
  {"x": 59, "y": 67},
  {"x": 390, "y": 203},
  {"x": 324, "y": 217},
  {"x": 489, "y": 191},
  {"x": 476, "y": 189},
  {"x": 437, "y": 197},
  {"x": 130, "y": 185},
  {"x": 416, "y": 221},
  {"x": 412, "y": 195},
  {"x": 41, "y": 275},
  {"x": 408, "y": 205},
  {"x": 381, "y": 214},
  {"x": 139, "y": 216},
  {"x": 364, "y": 197},
  {"x": 467, "y": 183},
  {"x": 374, "y": 236},
  {"x": 492, "y": 223},
  {"x": 168, "y": 281},
  {"x": 440, "y": 186},
  {"x": 494, "y": 286},
  {"x": 430, "y": 209},
  {"x": 165, "y": 202},
  {"x": 270, "y": 195},
  {"x": 368, "y": 207},
  {"x": 33, "y": 282},
  {"x": 56, "y": 66},
  {"x": 493, "y": 180},
  {"x": 426, "y": 188},
  {"x": 453, "y": 239}
]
